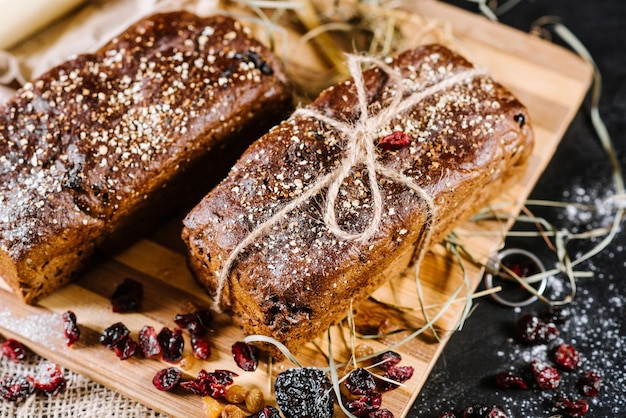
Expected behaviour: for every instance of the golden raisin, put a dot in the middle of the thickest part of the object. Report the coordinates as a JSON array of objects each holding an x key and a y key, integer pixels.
[
  {"x": 363, "y": 350},
  {"x": 187, "y": 362},
  {"x": 232, "y": 411},
  {"x": 236, "y": 393},
  {"x": 255, "y": 401},
  {"x": 212, "y": 407}
]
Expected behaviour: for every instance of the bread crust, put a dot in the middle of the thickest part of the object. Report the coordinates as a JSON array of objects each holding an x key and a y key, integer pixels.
[
  {"x": 297, "y": 279},
  {"x": 101, "y": 147}
]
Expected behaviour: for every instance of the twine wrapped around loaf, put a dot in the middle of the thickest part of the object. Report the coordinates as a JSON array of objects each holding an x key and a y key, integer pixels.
[{"x": 360, "y": 150}]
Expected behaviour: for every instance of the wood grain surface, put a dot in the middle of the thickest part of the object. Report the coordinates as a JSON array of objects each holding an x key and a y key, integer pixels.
[{"x": 549, "y": 80}]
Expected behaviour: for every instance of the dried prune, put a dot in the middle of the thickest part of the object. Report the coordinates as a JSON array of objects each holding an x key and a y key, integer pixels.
[
  {"x": 196, "y": 322},
  {"x": 172, "y": 344},
  {"x": 167, "y": 379},
  {"x": 246, "y": 356},
  {"x": 360, "y": 382},
  {"x": 13, "y": 350},
  {"x": 16, "y": 388},
  {"x": 127, "y": 296},
  {"x": 148, "y": 343},
  {"x": 304, "y": 393},
  {"x": 113, "y": 335},
  {"x": 50, "y": 379},
  {"x": 70, "y": 328}
]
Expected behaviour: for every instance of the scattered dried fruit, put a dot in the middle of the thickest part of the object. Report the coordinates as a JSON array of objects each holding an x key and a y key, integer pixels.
[
  {"x": 476, "y": 410},
  {"x": 112, "y": 335},
  {"x": 167, "y": 379},
  {"x": 16, "y": 388},
  {"x": 388, "y": 359},
  {"x": 529, "y": 329},
  {"x": 362, "y": 406},
  {"x": 70, "y": 328},
  {"x": 399, "y": 374},
  {"x": 589, "y": 383},
  {"x": 510, "y": 381},
  {"x": 50, "y": 379},
  {"x": 127, "y": 296},
  {"x": 212, "y": 407},
  {"x": 246, "y": 356},
  {"x": 196, "y": 322},
  {"x": 304, "y": 393},
  {"x": 148, "y": 342},
  {"x": 236, "y": 394},
  {"x": 394, "y": 141},
  {"x": 360, "y": 382},
  {"x": 210, "y": 383},
  {"x": 232, "y": 411},
  {"x": 125, "y": 348},
  {"x": 13, "y": 350},
  {"x": 172, "y": 344},
  {"x": 255, "y": 401},
  {"x": 566, "y": 356},
  {"x": 200, "y": 346},
  {"x": 547, "y": 377},
  {"x": 266, "y": 412},
  {"x": 572, "y": 408}
]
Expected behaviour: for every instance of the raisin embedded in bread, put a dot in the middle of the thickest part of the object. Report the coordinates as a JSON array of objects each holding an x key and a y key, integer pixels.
[
  {"x": 105, "y": 144},
  {"x": 289, "y": 270}
]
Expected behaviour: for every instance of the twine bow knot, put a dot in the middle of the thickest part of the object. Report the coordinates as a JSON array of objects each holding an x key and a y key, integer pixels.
[{"x": 360, "y": 150}]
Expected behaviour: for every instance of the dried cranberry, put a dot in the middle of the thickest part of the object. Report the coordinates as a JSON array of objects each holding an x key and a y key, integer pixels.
[
  {"x": 13, "y": 350},
  {"x": 125, "y": 348},
  {"x": 167, "y": 379},
  {"x": 200, "y": 346},
  {"x": 148, "y": 343},
  {"x": 388, "y": 359},
  {"x": 362, "y": 406},
  {"x": 529, "y": 329},
  {"x": 381, "y": 413},
  {"x": 172, "y": 344},
  {"x": 113, "y": 335},
  {"x": 589, "y": 383},
  {"x": 16, "y": 388},
  {"x": 210, "y": 384},
  {"x": 50, "y": 379},
  {"x": 547, "y": 377},
  {"x": 573, "y": 408},
  {"x": 398, "y": 374},
  {"x": 510, "y": 381},
  {"x": 477, "y": 410},
  {"x": 70, "y": 328},
  {"x": 304, "y": 393},
  {"x": 567, "y": 357},
  {"x": 496, "y": 411},
  {"x": 246, "y": 356},
  {"x": 360, "y": 382},
  {"x": 127, "y": 296},
  {"x": 394, "y": 141},
  {"x": 267, "y": 412},
  {"x": 196, "y": 322}
]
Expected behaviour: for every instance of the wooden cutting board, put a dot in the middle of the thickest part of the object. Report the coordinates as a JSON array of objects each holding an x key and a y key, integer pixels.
[{"x": 551, "y": 82}]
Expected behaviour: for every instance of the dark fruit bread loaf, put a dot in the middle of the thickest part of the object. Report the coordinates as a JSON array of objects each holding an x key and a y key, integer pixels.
[
  {"x": 105, "y": 144},
  {"x": 351, "y": 189}
]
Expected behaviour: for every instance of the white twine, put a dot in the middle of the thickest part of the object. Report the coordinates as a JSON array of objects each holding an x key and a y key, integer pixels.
[{"x": 361, "y": 150}]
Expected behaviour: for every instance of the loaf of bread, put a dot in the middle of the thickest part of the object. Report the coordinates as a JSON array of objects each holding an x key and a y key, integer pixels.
[
  {"x": 351, "y": 189},
  {"x": 104, "y": 145}
]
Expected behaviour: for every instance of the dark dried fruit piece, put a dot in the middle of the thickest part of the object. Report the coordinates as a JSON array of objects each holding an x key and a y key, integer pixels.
[
  {"x": 360, "y": 382},
  {"x": 13, "y": 350},
  {"x": 112, "y": 335},
  {"x": 399, "y": 374},
  {"x": 394, "y": 141},
  {"x": 381, "y": 413},
  {"x": 125, "y": 348},
  {"x": 196, "y": 322},
  {"x": 200, "y": 346},
  {"x": 547, "y": 377},
  {"x": 362, "y": 406},
  {"x": 510, "y": 381},
  {"x": 16, "y": 388},
  {"x": 267, "y": 412},
  {"x": 70, "y": 328},
  {"x": 167, "y": 379},
  {"x": 496, "y": 411},
  {"x": 529, "y": 329},
  {"x": 127, "y": 296},
  {"x": 50, "y": 379},
  {"x": 572, "y": 408},
  {"x": 148, "y": 343},
  {"x": 210, "y": 383},
  {"x": 476, "y": 410},
  {"x": 172, "y": 344},
  {"x": 388, "y": 359},
  {"x": 566, "y": 356},
  {"x": 304, "y": 393},
  {"x": 589, "y": 383},
  {"x": 246, "y": 356}
]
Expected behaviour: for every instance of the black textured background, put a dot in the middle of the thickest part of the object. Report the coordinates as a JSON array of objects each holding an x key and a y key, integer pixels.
[{"x": 578, "y": 172}]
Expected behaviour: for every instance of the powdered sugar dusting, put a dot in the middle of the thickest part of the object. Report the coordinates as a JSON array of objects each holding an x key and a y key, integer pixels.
[{"x": 44, "y": 329}]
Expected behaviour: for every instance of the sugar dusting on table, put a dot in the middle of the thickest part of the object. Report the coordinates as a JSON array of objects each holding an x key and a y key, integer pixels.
[{"x": 45, "y": 329}]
